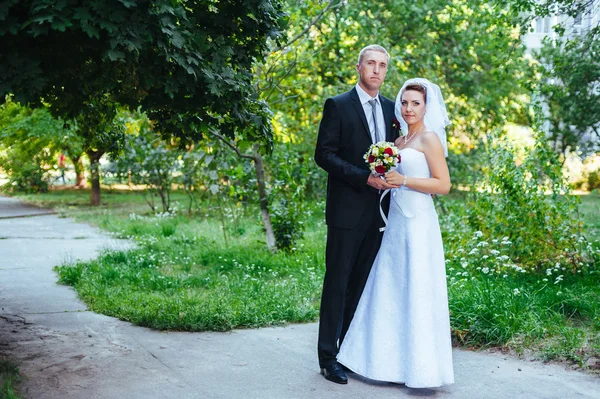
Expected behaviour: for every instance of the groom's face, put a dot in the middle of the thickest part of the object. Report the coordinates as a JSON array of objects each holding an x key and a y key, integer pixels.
[{"x": 372, "y": 69}]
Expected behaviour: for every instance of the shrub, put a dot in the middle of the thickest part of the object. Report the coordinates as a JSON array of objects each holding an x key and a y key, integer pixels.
[
  {"x": 26, "y": 171},
  {"x": 593, "y": 180},
  {"x": 289, "y": 170},
  {"x": 518, "y": 218},
  {"x": 148, "y": 161}
]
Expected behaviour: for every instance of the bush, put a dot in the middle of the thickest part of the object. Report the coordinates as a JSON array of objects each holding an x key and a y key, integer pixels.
[
  {"x": 287, "y": 226},
  {"x": 518, "y": 218},
  {"x": 593, "y": 180},
  {"x": 289, "y": 169},
  {"x": 26, "y": 172},
  {"x": 148, "y": 161}
]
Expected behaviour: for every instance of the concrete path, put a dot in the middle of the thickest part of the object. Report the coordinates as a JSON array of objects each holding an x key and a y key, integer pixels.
[{"x": 66, "y": 351}]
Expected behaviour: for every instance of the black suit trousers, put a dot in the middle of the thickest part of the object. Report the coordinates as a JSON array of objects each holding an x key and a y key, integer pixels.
[{"x": 349, "y": 256}]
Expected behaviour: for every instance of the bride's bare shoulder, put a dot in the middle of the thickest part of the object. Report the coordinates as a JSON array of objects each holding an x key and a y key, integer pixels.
[{"x": 429, "y": 137}]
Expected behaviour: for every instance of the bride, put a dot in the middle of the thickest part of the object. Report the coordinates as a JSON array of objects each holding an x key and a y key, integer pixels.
[{"x": 401, "y": 329}]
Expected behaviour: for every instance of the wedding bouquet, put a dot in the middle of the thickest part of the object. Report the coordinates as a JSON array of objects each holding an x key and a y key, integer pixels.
[{"x": 382, "y": 157}]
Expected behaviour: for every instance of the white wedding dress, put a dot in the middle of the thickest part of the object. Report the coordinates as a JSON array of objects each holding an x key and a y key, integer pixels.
[{"x": 401, "y": 329}]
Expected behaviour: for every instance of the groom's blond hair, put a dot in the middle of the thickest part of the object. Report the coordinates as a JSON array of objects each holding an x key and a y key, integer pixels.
[{"x": 372, "y": 47}]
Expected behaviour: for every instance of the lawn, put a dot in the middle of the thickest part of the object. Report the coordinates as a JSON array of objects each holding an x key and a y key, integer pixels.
[
  {"x": 590, "y": 210},
  {"x": 212, "y": 271}
]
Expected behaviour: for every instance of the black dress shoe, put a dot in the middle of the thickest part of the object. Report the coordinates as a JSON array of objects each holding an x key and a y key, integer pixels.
[
  {"x": 346, "y": 369},
  {"x": 334, "y": 373}
]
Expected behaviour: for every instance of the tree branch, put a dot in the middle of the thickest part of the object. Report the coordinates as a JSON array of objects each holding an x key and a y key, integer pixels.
[
  {"x": 234, "y": 148},
  {"x": 313, "y": 22}
]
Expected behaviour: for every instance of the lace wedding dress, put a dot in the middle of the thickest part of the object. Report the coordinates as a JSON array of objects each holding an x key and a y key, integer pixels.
[{"x": 401, "y": 329}]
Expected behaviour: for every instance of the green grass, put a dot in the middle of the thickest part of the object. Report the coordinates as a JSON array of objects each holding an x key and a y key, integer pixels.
[
  {"x": 590, "y": 210},
  {"x": 192, "y": 273},
  {"x": 9, "y": 376},
  {"x": 213, "y": 272},
  {"x": 556, "y": 321}
]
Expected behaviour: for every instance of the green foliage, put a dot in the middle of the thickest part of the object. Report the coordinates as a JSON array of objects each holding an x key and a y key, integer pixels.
[
  {"x": 571, "y": 72},
  {"x": 30, "y": 140},
  {"x": 26, "y": 173},
  {"x": 286, "y": 217},
  {"x": 99, "y": 126},
  {"x": 9, "y": 376},
  {"x": 289, "y": 178},
  {"x": 519, "y": 218},
  {"x": 187, "y": 63},
  {"x": 468, "y": 47},
  {"x": 147, "y": 160},
  {"x": 593, "y": 180},
  {"x": 529, "y": 8}
]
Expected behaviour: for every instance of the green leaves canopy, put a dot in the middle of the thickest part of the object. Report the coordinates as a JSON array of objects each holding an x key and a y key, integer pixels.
[
  {"x": 571, "y": 72},
  {"x": 187, "y": 62},
  {"x": 469, "y": 47}
]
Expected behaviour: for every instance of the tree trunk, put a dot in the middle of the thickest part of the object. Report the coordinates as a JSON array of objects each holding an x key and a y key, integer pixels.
[
  {"x": 264, "y": 200},
  {"x": 94, "y": 157},
  {"x": 79, "y": 172}
]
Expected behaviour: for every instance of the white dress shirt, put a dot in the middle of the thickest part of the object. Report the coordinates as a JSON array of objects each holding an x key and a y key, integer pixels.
[{"x": 364, "y": 100}]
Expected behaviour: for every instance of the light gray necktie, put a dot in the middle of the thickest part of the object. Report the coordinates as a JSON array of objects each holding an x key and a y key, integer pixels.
[{"x": 373, "y": 104}]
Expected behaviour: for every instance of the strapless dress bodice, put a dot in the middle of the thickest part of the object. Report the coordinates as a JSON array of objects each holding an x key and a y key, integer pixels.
[{"x": 413, "y": 164}]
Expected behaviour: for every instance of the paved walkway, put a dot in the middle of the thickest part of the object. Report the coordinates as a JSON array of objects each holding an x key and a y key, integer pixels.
[{"x": 66, "y": 351}]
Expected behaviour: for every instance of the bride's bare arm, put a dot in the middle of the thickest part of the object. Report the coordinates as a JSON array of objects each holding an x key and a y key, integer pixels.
[{"x": 439, "y": 183}]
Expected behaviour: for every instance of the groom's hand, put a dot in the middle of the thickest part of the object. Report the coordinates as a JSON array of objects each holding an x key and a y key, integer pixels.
[{"x": 380, "y": 184}]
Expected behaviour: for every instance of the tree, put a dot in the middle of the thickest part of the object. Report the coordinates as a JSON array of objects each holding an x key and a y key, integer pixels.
[
  {"x": 187, "y": 63},
  {"x": 571, "y": 74},
  {"x": 471, "y": 48},
  {"x": 468, "y": 47},
  {"x": 101, "y": 132},
  {"x": 31, "y": 139},
  {"x": 147, "y": 160},
  {"x": 527, "y": 10}
]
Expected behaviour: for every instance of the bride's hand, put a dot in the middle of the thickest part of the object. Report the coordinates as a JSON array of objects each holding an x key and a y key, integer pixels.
[{"x": 394, "y": 178}]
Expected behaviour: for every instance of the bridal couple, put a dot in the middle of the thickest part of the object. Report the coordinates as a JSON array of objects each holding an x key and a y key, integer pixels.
[{"x": 384, "y": 307}]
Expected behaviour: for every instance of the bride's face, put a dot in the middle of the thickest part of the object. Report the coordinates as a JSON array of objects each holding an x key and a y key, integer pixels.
[{"x": 413, "y": 106}]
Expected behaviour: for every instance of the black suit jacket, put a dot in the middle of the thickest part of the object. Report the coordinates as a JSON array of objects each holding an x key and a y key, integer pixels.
[{"x": 343, "y": 140}]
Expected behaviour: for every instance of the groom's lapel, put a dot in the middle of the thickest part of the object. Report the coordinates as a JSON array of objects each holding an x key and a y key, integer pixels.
[
  {"x": 360, "y": 111},
  {"x": 388, "y": 120}
]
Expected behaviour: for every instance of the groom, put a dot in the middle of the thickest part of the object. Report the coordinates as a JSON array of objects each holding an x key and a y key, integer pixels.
[{"x": 351, "y": 123}]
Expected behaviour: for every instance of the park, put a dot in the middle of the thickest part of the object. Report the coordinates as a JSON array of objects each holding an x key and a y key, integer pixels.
[{"x": 162, "y": 218}]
